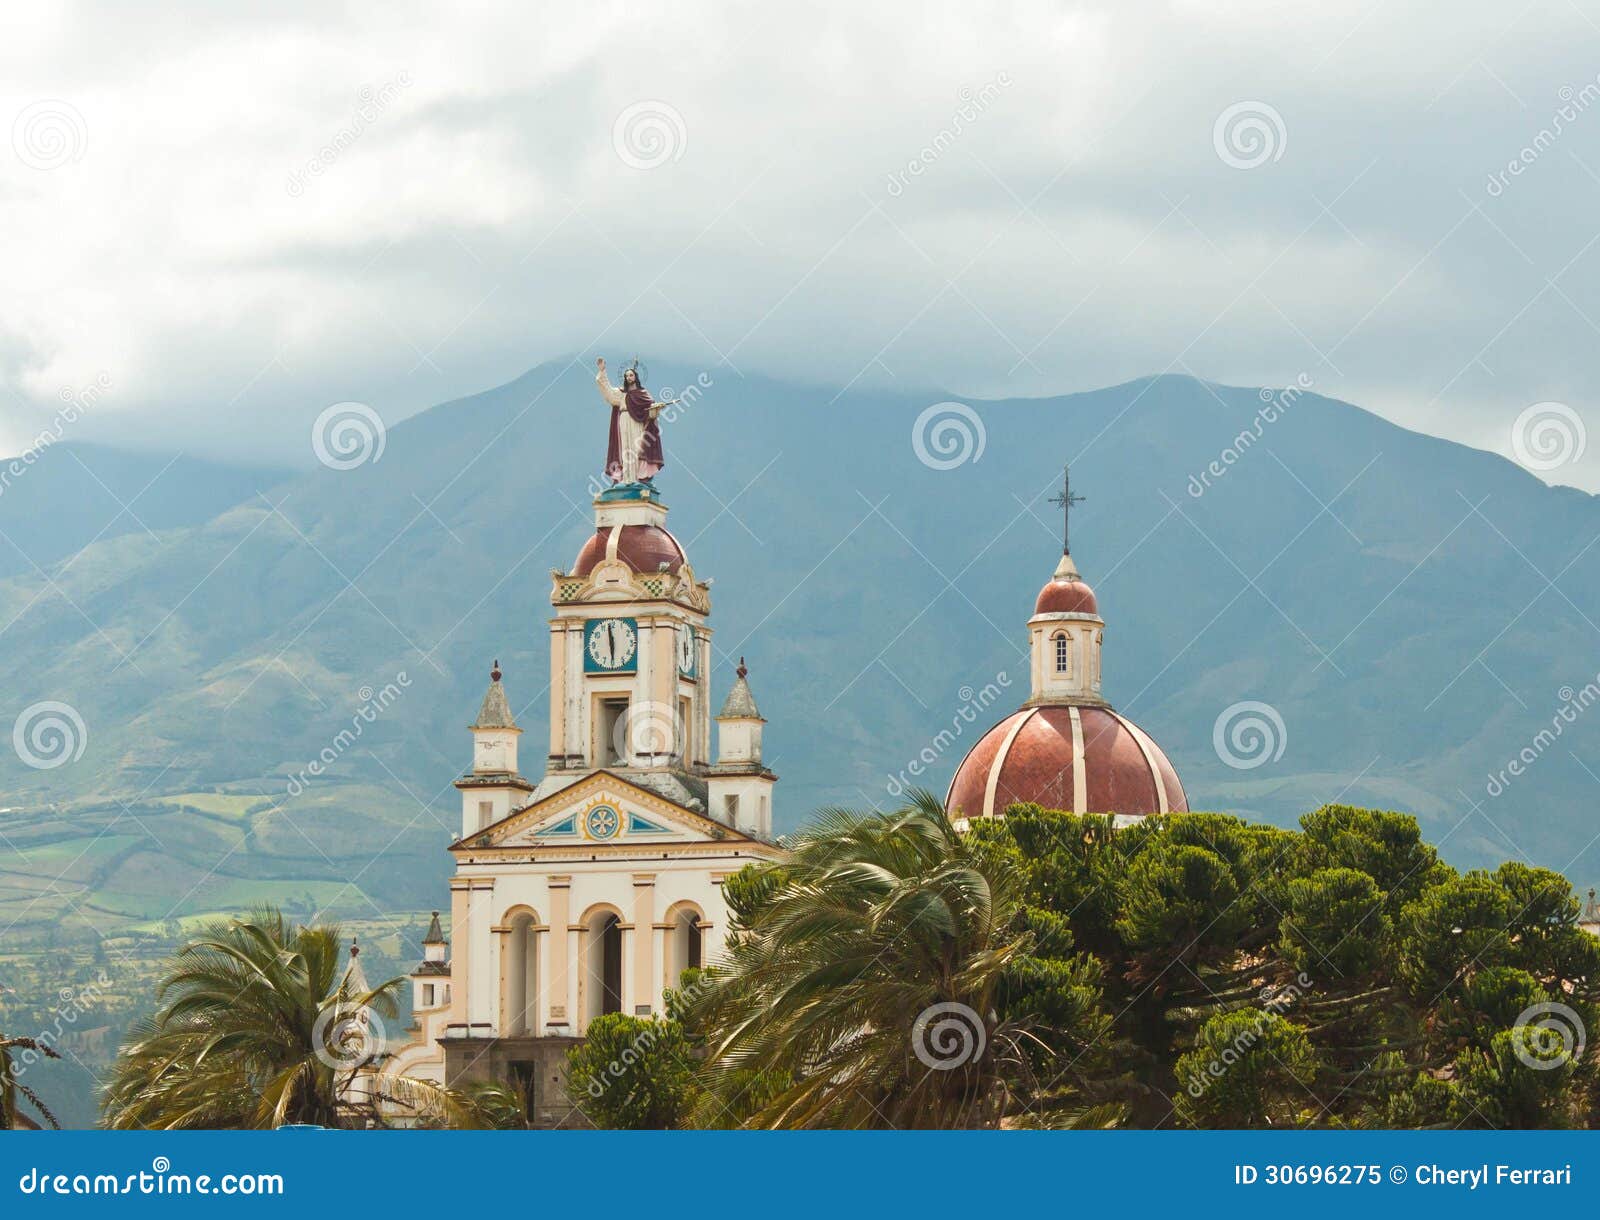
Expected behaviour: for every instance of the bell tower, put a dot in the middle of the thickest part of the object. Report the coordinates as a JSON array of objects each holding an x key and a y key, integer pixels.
[
  {"x": 1066, "y": 630},
  {"x": 630, "y": 649}
]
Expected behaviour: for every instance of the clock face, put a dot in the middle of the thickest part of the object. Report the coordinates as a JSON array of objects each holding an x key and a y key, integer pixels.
[
  {"x": 686, "y": 650},
  {"x": 612, "y": 643}
]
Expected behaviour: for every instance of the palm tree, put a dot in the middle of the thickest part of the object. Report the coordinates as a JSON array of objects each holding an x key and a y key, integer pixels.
[
  {"x": 11, "y": 1117},
  {"x": 258, "y": 1026},
  {"x": 861, "y": 985}
]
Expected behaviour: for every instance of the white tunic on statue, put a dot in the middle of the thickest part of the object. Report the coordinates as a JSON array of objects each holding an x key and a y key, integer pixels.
[{"x": 630, "y": 432}]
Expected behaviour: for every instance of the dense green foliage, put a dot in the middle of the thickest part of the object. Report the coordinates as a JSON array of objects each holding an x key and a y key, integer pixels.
[
  {"x": 1338, "y": 975},
  {"x": 1192, "y": 969},
  {"x": 888, "y": 974},
  {"x": 633, "y": 1073}
]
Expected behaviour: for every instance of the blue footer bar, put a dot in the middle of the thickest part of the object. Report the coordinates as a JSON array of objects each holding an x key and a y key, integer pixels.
[{"x": 789, "y": 1173}]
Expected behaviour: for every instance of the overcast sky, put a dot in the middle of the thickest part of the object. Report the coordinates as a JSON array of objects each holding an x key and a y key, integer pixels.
[{"x": 217, "y": 224}]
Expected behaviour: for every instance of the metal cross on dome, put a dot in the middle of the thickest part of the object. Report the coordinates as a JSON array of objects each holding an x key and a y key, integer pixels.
[{"x": 1066, "y": 500}]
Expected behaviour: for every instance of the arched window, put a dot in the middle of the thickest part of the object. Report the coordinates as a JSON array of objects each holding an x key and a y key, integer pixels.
[
  {"x": 1063, "y": 653},
  {"x": 522, "y": 976},
  {"x": 603, "y": 976},
  {"x": 685, "y": 941}
]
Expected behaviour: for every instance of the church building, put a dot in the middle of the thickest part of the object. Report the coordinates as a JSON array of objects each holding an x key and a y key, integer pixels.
[{"x": 590, "y": 890}]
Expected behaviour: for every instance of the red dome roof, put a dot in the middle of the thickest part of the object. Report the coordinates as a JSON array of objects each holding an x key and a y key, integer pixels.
[
  {"x": 1030, "y": 756},
  {"x": 1066, "y": 597},
  {"x": 644, "y": 548}
]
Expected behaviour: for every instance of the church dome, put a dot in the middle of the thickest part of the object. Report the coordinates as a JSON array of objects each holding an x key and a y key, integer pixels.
[
  {"x": 1066, "y": 748},
  {"x": 1066, "y": 597},
  {"x": 1066, "y": 592},
  {"x": 644, "y": 548},
  {"x": 1083, "y": 759}
]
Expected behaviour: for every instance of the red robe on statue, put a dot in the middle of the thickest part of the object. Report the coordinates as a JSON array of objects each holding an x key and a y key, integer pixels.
[{"x": 641, "y": 430}]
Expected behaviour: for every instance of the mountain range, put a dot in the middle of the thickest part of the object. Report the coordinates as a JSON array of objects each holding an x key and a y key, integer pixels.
[{"x": 1316, "y": 606}]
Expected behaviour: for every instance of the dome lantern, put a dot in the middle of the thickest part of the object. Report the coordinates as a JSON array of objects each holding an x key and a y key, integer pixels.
[{"x": 1066, "y": 748}]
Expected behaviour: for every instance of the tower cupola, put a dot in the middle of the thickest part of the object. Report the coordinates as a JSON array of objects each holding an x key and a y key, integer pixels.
[
  {"x": 740, "y": 786},
  {"x": 492, "y": 788}
]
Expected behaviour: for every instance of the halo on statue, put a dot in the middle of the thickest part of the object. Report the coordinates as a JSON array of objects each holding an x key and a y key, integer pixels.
[{"x": 640, "y": 370}]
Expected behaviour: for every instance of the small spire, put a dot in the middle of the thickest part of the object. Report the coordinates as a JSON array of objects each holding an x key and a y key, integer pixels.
[
  {"x": 495, "y": 712},
  {"x": 435, "y": 934},
  {"x": 355, "y": 949},
  {"x": 740, "y": 704}
]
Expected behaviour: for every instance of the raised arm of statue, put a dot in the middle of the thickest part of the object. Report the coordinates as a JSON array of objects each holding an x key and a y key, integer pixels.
[{"x": 609, "y": 392}]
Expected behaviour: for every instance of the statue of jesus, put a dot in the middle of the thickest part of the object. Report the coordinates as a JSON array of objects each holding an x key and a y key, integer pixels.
[{"x": 634, "y": 454}]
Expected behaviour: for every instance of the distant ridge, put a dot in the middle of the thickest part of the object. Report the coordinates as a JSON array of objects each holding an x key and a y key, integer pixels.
[{"x": 1383, "y": 591}]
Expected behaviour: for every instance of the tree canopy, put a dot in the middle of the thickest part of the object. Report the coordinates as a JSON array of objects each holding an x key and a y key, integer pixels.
[{"x": 1191, "y": 969}]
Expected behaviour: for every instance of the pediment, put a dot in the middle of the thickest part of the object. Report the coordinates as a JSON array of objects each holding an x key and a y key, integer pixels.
[{"x": 602, "y": 810}]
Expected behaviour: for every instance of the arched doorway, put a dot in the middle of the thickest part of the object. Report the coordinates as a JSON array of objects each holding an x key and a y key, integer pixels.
[
  {"x": 685, "y": 941},
  {"x": 603, "y": 969},
  {"x": 522, "y": 976}
]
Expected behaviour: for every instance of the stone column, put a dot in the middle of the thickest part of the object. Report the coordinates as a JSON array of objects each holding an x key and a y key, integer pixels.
[
  {"x": 663, "y": 954},
  {"x": 576, "y": 698},
  {"x": 479, "y": 982},
  {"x": 460, "y": 952},
  {"x": 558, "y": 993},
  {"x": 627, "y": 945},
  {"x": 541, "y": 982},
  {"x": 641, "y": 722},
  {"x": 558, "y": 690},
  {"x": 644, "y": 943}
]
